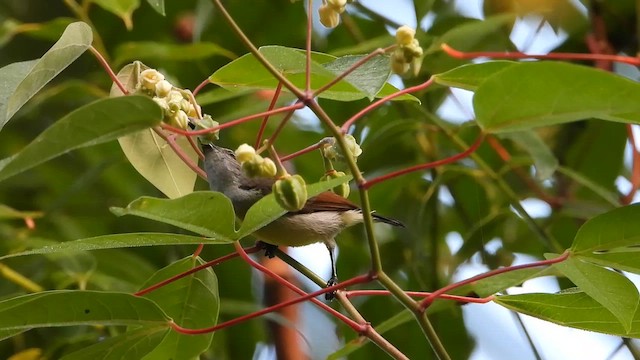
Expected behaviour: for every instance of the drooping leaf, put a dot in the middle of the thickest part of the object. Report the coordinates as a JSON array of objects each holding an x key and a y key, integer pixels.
[
  {"x": 25, "y": 79},
  {"x": 203, "y": 212},
  {"x": 545, "y": 162},
  {"x": 133, "y": 344},
  {"x": 247, "y": 73},
  {"x": 158, "y": 51},
  {"x": 615, "y": 229},
  {"x": 614, "y": 291},
  {"x": 121, "y": 8},
  {"x": 98, "y": 122},
  {"x": 544, "y": 93},
  {"x": 157, "y": 5},
  {"x": 573, "y": 309},
  {"x": 192, "y": 302},
  {"x": 117, "y": 241},
  {"x": 67, "y": 308}
]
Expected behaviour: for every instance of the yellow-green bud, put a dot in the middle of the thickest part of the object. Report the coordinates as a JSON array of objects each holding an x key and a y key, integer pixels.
[
  {"x": 163, "y": 88},
  {"x": 352, "y": 145},
  {"x": 337, "y": 5},
  {"x": 290, "y": 192},
  {"x": 180, "y": 120},
  {"x": 399, "y": 64},
  {"x": 251, "y": 168},
  {"x": 405, "y": 35},
  {"x": 149, "y": 78},
  {"x": 162, "y": 102},
  {"x": 245, "y": 153},
  {"x": 268, "y": 168},
  {"x": 328, "y": 16},
  {"x": 342, "y": 189}
]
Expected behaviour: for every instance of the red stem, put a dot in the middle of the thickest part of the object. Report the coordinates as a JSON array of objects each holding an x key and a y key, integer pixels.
[
  {"x": 276, "y": 95},
  {"x": 176, "y": 130},
  {"x": 311, "y": 148},
  {"x": 200, "y": 86},
  {"x": 462, "y": 155},
  {"x": 198, "y": 251},
  {"x": 211, "y": 263},
  {"x": 347, "y": 124},
  {"x": 438, "y": 293},
  {"x": 108, "y": 69},
  {"x": 462, "y": 299},
  {"x": 195, "y": 147},
  {"x": 551, "y": 56}
]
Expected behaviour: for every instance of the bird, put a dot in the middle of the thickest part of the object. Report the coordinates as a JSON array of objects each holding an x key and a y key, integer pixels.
[{"x": 321, "y": 219}]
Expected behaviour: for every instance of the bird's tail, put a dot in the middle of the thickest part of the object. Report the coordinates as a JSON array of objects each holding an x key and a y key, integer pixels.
[{"x": 386, "y": 220}]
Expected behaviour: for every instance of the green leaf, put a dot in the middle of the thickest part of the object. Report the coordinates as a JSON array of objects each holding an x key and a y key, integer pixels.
[
  {"x": 192, "y": 302},
  {"x": 247, "y": 73},
  {"x": 467, "y": 36},
  {"x": 203, "y": 212},
  {"x": 572, "y": 309},
  {"x": 614, "y": 291},
  {"x": 157, "y": 162},
  {"x": 369, "y": 78},
  {"x": 470, "y": 76},
  {"x": 544, "y": 93},
  {"x": 614, "y": 229},
  {"x": 121, "y": 8},
  {"x": 625, "y": 259},
  {"x": 598, "y": 189},
  {"x": 545, "y": 162},
  {"x": 162, "y": 52},
  {"x": 7, "y": 212},
  {"x": 116, "y": 241},
  {"x": 157, "y": 5},
  {"x": 67, "y": 308},
  {"x": 133, "y": 344},
  {"x": 25, "y": 79},
  {"x": 95, "y": 123}
]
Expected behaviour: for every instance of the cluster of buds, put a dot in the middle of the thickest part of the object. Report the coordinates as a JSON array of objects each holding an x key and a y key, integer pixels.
[
  {"x": 333, "y": 152},
  {"x": 253, "y": 164},
  {"x": 408, "y": 53},
  {"x": 342, "y": 189},
  {"x": 330, "y": 11},
  {"x": 177, "y": 104}
]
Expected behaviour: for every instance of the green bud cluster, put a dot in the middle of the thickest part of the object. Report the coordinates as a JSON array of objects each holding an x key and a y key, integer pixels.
[
  {"x": 290, "y": 192},
  {"x": 253, "y": 164},
  {"x": 330, "y": 11},
  {"x": 342, "y": 189},
  {"x": 408, "y": 53}
]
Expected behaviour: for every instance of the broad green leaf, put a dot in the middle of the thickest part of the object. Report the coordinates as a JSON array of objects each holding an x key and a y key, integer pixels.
[
  {"x": 151, "y": 155},
  {"x": 615, "y": 229},
  {"x": 247, "y": 73},
  {"x": 133, "y": 344},
  {"x": 7, "y": 212},
  {"x": 368, "y": 78},
  {"x": 494, "y": 284},
  {"x": 192, "y": 302},
  {"x": 543, "y": 158},
  {"x": 544, "y": 93},
  {"x": 95, "y": 123},
  {"x": 625, "y": 259},
  {"x": 467, "y": 36},
  {"x": 572, "y": 309},
  {"x": 154, "y": 159},
  {"x": 158, "y": 51},
  {"x": 614, "y": 291},
  {"x": 5, "y": 334},
  {"x": 267, "y": 209},
  {"x": 121, "y": 8},
  {"x": 157, "y": 5},
  {"x": 116, "y": 241},
  {"x": 67, "y": 308},
  {"x": 202, "y": 212},
  {"x": 470, "y": 76},
  {"x": 26, "y": 82}
]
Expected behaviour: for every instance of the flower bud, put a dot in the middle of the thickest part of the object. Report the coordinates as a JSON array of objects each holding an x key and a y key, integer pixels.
[
  {"x": 245, "y": 153},
  {"x": 328, "y": 16},
  {"x": 405, "y": 35},
  {"x": 149, "y": 78},
  {"x": 163, "y": 88},
  {"x": 352, "y": 145},
  {"x": 207, "y": 123},
  {"x": 268, "y": 168},
  {"x": 337, "y": 5},
  {"x": 342, "y": 189},
  {"x": 179, "y": 120},
  {"x": 162, "y": 102},
  {"x": 334, "y": 152},
  {"x": 252, "y": 168},
  {"x": 290, "y": 192}
]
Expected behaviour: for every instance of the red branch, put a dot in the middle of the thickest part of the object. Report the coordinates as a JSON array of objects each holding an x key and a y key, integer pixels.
[
  {"x": 347, "y": 124},
  {"x": 276, "y": 95},
  {"x": 200, "y": 86},
  {"x": 170, "y": 139},
  {"x": 108, "y": 69},
  {"x": 369, "y": 183},
  {"x": 424, "y": 304},
  {"x": 462, "y": 299},
  {"x": 551, "y": 56}
]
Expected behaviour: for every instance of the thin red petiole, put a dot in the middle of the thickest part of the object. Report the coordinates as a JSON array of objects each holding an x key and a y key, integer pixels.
[
  {"x": 316, "y": 146},
  {"x": 108, "y": 69},
  {"x": 198, "y": 251},
  {"x": 211, "y": 263},
  {"x": 195, "y": 147},
  {"x": 200, "y": 86},
  {"x": 347, "y": 124},
  {"x": 276, "y": 95},
  {"x": 451, "y": 159},
  {"x": 462, "y": 299},
  {"x": 438, "y": 293},
  {"x": 551, "y": 56}
]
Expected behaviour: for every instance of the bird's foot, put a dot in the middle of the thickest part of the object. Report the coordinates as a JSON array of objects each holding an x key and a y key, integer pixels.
[
  {"x": 332, "y": 294},
  {"x": 269, "y": 249}
]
